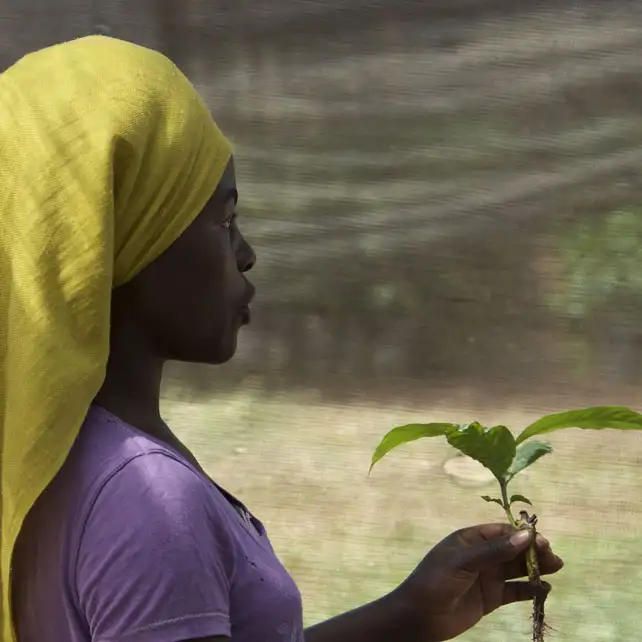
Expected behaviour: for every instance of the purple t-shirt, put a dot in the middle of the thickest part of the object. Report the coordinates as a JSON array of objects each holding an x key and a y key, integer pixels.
[{"x": 131, "y": 543}]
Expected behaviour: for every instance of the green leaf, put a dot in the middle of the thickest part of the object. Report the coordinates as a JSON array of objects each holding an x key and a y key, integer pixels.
[
  {"x": 403, "y": 434},
  {"x": 520, "y": 498},
  {"x": 491, "y": 447},
  {"x": 596, "y": 418},
  {"x": 526, "y": 455},
  {"x": 489, "y": 499}
]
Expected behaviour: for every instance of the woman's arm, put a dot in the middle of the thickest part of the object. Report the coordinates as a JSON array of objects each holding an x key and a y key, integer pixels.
[{"x": 384, "y": 620}]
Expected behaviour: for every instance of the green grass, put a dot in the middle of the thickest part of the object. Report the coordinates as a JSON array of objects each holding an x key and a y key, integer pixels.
[{"x": 302, "y": 467}]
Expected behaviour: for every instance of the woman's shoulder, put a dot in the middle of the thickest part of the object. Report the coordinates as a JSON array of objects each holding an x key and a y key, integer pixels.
[
  {"x": 119, "y": 465},
  {"x": 107, "y": 442},
  {"x": 120, "y": 479},
  {"x": 110, "y": 454},
  {"x": 113, "y": 529}
]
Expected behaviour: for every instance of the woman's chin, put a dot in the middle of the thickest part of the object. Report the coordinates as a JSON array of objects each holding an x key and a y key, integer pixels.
[
  {"x": 212, "y": 353},
  {"x": 226, "y": 349}
]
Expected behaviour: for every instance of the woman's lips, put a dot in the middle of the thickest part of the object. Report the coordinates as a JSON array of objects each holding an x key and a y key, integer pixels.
[{"x": 246, "y": 314}]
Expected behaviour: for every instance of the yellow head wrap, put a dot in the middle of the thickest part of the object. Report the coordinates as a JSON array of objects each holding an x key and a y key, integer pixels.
[{"x": 107, "y": 154}]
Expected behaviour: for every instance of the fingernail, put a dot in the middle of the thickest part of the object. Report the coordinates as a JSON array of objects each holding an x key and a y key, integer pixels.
[{"x": 520, "y": 537}]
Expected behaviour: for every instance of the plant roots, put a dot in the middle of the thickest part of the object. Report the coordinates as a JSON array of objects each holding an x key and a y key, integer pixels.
[{"x": 541, "y": 589}]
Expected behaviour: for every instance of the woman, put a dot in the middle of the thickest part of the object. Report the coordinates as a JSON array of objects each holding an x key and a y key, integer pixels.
[{"x": 120, "y": 249}]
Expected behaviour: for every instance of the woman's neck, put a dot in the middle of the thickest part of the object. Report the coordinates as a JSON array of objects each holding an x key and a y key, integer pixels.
[
  {"x": 131, "y": 392},
  {"x": 132, "y": 395},
  {"x": 131, "y": 388}
]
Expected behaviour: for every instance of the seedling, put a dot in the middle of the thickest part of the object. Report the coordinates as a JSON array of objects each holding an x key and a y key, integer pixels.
[{"x": 506, "y": 456}]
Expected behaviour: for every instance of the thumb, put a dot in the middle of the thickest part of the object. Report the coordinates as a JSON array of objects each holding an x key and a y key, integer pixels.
[{"x": 498, "y": 550}]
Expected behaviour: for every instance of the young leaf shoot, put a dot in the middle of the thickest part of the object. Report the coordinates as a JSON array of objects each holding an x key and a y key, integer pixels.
[{"x": 506, "y": 456}]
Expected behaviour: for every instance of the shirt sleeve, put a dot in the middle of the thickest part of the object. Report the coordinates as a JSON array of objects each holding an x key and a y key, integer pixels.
[{"x": 155, "y": 559}]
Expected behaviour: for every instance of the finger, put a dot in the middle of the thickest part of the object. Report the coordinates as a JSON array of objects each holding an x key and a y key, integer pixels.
[
  {"x": 548, "y": 562},
  {"x": 487, "y": 532},
  {"x": 541, "y": 543},
  {"x": 548, "y": 565},
  {"x": 492, "y": 552},
  {"x": 474, "y": 534},
  {"x": 522, "y": 591}
]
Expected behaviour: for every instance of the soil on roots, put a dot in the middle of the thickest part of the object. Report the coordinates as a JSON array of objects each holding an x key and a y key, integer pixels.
[{"x": 539, "y": 617}]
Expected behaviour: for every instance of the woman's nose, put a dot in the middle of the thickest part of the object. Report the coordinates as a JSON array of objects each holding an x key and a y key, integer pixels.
[{"x": 247, "y": 257}]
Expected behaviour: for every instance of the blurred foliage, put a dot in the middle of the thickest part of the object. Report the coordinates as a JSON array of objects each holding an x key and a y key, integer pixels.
[
  {"x": 409, "y": 173},
  {"x": 603, "y": 266}
]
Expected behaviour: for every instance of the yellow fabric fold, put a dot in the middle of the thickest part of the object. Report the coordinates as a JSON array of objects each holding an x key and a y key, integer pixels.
[{"x": 107, "y": 154}]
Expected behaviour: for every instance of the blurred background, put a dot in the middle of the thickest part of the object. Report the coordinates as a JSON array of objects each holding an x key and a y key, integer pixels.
[{"x": 446, "y": 203}]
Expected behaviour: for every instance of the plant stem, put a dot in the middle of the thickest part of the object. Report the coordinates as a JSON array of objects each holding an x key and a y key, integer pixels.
[
  {"x": 532, "y": 567},
  {"x": 506, "y": 504}
]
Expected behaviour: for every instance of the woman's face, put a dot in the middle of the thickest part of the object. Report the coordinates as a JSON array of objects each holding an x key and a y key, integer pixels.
[{"x": 192, "y": 301}]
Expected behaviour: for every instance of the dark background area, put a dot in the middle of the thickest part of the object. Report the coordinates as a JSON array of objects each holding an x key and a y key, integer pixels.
[{"x": 415, "y": 177}]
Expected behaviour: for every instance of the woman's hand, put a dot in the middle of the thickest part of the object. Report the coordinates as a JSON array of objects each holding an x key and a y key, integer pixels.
[{"x": 469, "y": 574}]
